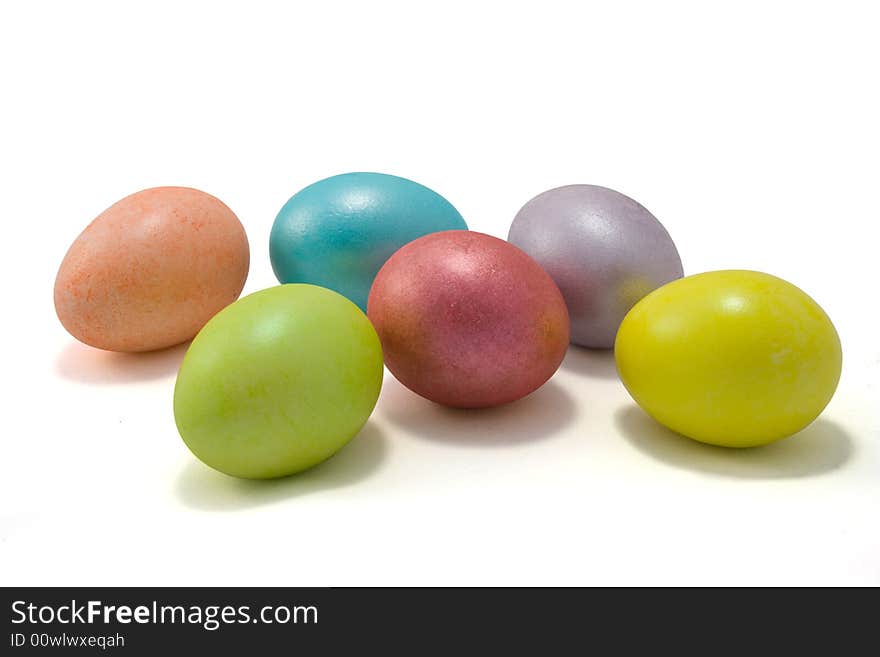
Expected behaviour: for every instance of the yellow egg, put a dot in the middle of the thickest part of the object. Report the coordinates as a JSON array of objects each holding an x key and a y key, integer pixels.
[{"x": 732, "y": 358}]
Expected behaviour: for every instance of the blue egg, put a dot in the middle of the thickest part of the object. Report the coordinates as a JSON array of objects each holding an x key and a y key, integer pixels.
[{"x": 338, "y": 232}]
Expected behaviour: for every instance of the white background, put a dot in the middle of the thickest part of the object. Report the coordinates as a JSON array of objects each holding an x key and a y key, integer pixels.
[{"x": 751, "y": 131}]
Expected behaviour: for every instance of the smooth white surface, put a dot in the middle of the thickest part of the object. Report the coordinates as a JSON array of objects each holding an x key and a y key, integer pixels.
[{"x": 751, "y": 132}]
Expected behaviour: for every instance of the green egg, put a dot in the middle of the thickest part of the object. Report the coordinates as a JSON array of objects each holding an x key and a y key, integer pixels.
[{"x": 278, "y": 381}]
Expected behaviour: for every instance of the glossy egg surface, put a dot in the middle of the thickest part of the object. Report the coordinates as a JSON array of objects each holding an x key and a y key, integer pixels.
[
  {"x": 339, "y": 231},
  {"x": 278, "y": 381},
  {"x": 732, "y": 358}
]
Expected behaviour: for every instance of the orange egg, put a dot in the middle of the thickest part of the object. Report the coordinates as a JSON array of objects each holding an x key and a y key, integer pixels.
[{"x": 151, "y": 270}]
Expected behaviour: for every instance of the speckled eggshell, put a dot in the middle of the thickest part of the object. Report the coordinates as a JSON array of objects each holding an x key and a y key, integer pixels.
[
  {"x": 339, "y": 231},
  {"x": 151, "y": 270},
  {"x": 468, "y": 320},
  {"x": 604, "y": 250}
]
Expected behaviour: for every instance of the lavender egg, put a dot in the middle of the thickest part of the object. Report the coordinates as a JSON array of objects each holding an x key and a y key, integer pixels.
[
  {"x": 604, "y": 250},
  {"x": 468, "y": 320}
]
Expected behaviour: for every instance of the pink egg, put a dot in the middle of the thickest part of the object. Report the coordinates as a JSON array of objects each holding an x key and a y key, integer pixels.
[
  {"x": 151, "y": 270},
  {"x": 468, "y": 320}
]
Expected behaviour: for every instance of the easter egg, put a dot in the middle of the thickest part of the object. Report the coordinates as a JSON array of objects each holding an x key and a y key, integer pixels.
[
  {"x": 278, "y": 381},
  {"x": 150, "y": 270},
  {"x": 733, "y": 358},
  {"x": 604, "y": 250},
  {"x": 338, "y": 232},
  {"x": 468, "y": 320}
]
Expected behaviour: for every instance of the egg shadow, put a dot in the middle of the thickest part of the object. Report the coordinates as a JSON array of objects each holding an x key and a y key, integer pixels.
[
  {"x": 83, "y": 364},
  {"x": 201, "y": 488},
  {"x": 822, "y": 447},
  {"x": 538, "y": 416},
  {"x": 595, "y": 363}
]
